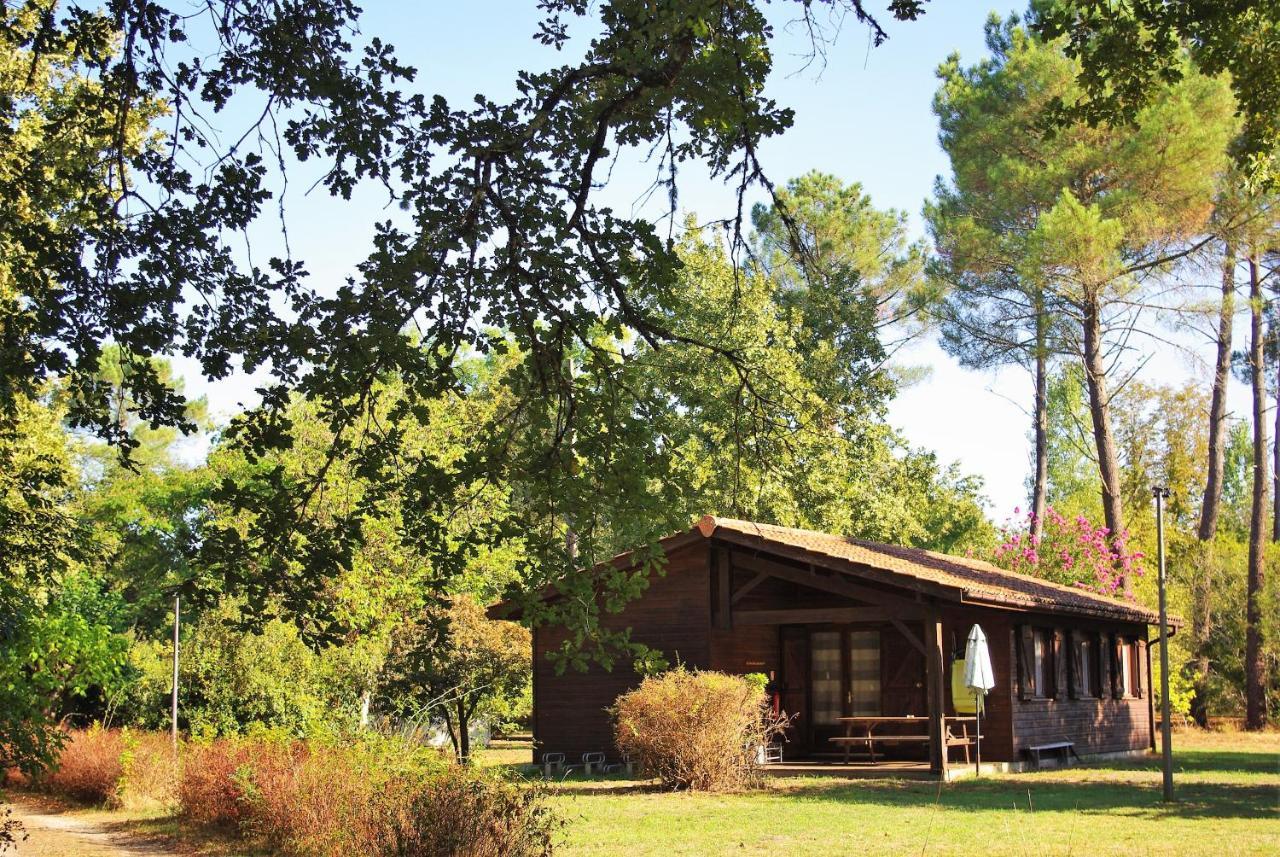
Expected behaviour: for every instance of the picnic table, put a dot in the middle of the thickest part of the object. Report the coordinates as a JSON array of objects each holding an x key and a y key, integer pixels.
[{"x": 862, "y": 730}]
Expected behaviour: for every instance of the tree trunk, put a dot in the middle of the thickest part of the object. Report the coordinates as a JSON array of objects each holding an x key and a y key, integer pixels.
[
  {"x": 1255, "y": 701},
  {"x": 1202, "y": 587},
  {"x": 1275, "y": 453},
  {"x": 1100, "y": 410},
  {"x": 366, "y": 699},
  {"x": 1218, "y": 404},
  {"x": 1201, "y": 631},
  {"x": 1041, "y": 422},
  {"x": 453, "y": 734},
  {"x": 464, "y": 734}
]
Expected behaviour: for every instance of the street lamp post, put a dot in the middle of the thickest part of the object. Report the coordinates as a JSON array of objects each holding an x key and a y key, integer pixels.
[{"x": 1161, "y": 494}]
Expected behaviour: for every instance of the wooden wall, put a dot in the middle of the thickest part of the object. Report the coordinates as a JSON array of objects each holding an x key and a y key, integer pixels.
[
  {"x": 1096, "y": 725},
  {"x": 673, "y": 615},
  {"x": 997, "y": 722}
]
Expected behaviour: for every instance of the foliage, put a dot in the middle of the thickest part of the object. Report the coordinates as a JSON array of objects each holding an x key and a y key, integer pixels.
[
  {"x": 1070, "y": 551},
  {"x": 501, "y": 248},
  {"x": 1127, "y": 51},
  {"x": 1039, "y": 257},
  {"x": 114, "y": 767},
  {"x": 234, "y": 680},
  {"x": 696, "y": 730},
  {"x": 56, "y": 643},
  {"x": 453, "y": 663},
  {"x": 12, "y": 831}
]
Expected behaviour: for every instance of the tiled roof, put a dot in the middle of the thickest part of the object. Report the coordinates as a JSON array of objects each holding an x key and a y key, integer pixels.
[{"x": 977, "y": 580}]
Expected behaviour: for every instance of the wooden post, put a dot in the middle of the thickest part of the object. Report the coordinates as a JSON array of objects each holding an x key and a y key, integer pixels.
[
  {"x": 934, "y": 665},
  {"x": 724, "y": 590},
  {"x": 177, "y": 613}
]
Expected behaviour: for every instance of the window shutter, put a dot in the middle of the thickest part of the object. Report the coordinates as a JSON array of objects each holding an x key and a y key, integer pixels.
[
  {"x": 1026, "y": 661},
  {"x": 1075, "y": 666},
  {"x": 1117, "y": 675},
  {"x": 1102, "y": 682},
  {"x": 1139, "y": 663},
  {"x": 1059, "y": 664}
]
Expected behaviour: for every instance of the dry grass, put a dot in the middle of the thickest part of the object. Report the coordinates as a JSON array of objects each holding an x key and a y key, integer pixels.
[
  {"x": 370, "y": 797},
  {"x": 149, "y": 772},
  {"x": 89, "y": 767}
]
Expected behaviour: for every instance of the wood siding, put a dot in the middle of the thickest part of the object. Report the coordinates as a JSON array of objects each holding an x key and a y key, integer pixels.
[
  {"x": 1105, "y": 724},
  {"x": 673, "y": 616},
  {"x": 997, "y": 720}
]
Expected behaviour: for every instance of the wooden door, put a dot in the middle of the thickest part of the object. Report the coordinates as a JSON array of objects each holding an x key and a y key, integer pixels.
[
  {"x": 903, "y": 668},
  {"x": 794, "y": 681}
]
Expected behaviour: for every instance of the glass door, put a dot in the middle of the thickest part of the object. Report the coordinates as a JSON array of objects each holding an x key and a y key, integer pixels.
[
  {"x": 844, "y": 681},
  {"x": 826, "y": 689}
]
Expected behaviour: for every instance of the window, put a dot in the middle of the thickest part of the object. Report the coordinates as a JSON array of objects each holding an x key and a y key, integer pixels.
[
  {"x": 1037, "y": 663},
  {"x": 1086, "y": 660},
  {"x": 1040, "y": 664},
  {"x": 824, "y": 647},
  {"x": 864, "y": 673},
  {"x": 1124, "y": 651},
  {"x": 1044, "y": 665}
]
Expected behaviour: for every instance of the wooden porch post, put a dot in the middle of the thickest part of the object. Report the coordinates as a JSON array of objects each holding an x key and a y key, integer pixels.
[
  {"x": 934, "y": 665},
  {"x": 724, "y": 594}
]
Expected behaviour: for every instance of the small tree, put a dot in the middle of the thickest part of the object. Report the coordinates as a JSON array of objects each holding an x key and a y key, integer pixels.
[{"x": 454, "y": 661}]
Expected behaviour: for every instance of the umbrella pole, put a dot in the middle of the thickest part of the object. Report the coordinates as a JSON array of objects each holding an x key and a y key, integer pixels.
[{"x": 977, "y": 756}]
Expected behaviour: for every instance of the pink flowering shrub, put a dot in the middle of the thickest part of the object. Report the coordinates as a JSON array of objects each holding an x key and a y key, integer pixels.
[{"x": 1071, "y": 551}]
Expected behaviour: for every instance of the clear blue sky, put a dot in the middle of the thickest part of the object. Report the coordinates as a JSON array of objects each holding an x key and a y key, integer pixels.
[{"x": 865, "y": 116}]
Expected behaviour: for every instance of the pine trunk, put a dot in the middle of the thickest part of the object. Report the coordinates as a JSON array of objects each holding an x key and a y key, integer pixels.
[
  {"x": 1255, "y": 700},
  {"x": 1040, "y": 418},
  {"x": 1218, "y": 404},
  {"x": 1202, "y": 586},
  {"x": 1100, "y": 410},
  {"x": 1275, "y": 455}
]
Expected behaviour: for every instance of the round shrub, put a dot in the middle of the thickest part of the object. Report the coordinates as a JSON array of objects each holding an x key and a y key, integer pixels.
[{"x": 695, "y": 730}]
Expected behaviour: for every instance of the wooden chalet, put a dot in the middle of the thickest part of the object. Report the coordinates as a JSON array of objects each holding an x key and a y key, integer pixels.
[{"x": 852, "y": 631}]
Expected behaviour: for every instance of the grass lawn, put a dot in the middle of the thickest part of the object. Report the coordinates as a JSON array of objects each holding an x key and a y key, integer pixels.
[
  {"x": 1227, "y": 787},
  {"x": 1228, "y": 790}
]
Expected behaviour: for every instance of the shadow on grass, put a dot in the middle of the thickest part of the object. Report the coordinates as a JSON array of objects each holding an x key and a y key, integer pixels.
[
  {"x": 1090, "y": 789},
  {"x": 1193, "y": 800}
]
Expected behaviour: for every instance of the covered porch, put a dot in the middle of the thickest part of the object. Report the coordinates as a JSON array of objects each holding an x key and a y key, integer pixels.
[{"x": 860, "y": 666}]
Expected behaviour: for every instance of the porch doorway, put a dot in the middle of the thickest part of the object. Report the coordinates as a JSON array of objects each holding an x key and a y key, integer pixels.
[{"x": 845, "y": 680}]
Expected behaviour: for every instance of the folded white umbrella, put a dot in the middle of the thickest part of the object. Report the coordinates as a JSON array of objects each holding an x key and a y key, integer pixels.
[{"x": 978, "y": 677}]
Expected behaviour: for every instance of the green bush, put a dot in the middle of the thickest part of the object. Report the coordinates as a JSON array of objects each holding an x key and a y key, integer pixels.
[{"x": 696, "y": 730}]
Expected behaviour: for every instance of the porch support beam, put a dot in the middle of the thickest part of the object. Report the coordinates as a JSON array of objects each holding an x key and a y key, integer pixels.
[
  {"x": 724, "y": 587},
  {"x": 802, "y": 616},
  {"x": 749, "y": 585},
  {"x": 909, "y": 634},
  {"x": 934, "y": 663},
  {"x": 834, "y": 583}
]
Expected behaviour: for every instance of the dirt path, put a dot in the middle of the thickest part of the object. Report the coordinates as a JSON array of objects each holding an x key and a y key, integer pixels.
[{"x": 54, "y": 832}]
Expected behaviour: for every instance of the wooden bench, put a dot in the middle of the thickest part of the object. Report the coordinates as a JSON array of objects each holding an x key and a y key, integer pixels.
[{"x": 1066, "y": 748}]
